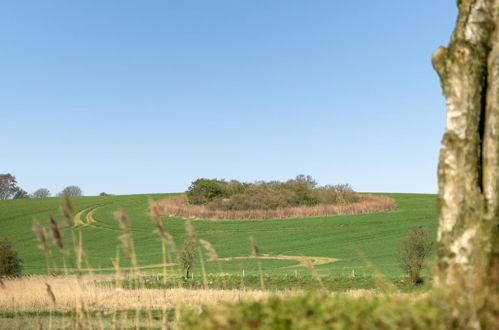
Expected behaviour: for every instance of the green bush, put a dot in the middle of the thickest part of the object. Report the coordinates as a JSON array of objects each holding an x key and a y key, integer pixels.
[
  {"x": 413, "y": 251},
  {"x": 186, "y": 256},
  {"x": 10, "y": 263}
]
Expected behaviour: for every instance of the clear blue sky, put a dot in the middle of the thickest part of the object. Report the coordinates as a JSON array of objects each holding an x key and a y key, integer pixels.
[{"x": 146, "y": 96}]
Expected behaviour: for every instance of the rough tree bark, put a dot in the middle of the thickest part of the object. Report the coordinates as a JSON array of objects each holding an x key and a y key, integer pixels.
[{"x": 468, "y": 172}]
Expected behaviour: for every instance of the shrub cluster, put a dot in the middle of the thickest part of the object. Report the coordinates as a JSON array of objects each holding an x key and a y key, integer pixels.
[
  {"x": 234, "y": 195},
  {"x": 10, "y": 263},
  {"x": 413, "y": 251}
]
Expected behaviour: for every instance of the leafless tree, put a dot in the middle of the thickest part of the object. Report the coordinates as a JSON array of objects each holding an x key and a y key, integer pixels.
[
  {"x": 21, "y": 193},
  {"x": 41, "y": 193},
  {"x": 70, "y": 191}
]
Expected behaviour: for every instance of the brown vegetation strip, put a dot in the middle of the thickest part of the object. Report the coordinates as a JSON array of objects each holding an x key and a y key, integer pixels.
[{"x": 178, "y": 207}]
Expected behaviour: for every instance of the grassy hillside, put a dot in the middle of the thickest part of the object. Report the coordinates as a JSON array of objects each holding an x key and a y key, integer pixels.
[{"x": 355, "y": 240}]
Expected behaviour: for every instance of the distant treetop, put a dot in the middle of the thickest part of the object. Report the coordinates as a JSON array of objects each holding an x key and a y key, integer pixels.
[{"x": 70, "y": 191}]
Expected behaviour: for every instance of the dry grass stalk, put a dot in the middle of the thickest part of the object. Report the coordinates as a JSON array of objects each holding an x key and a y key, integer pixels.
[
  {"x": 256, "y": 251},
  {"x": 213, "y": 256},
  {"x": 170, "y": 241},
  {"x": 50, "y": 293},
  {"x": 191, "y": 231},
  {"x": 56, "y": 234},
  {"x": 40, "y": 235},
  {"x": 156, "y": 217},
  {"x": 125, "y": 237},
  {"x": 212, "y": 253},
  {"x": 313, "y": 270},
  {"x": 309, "y": 266},
  {"x": 78, "y": 248},
  {"x": 166, "y": 238},
  {"x": 178, "y": 207},
  {"x": 195, "y": 238},
  {"x": 254, "y": 246},
  {"x": 67, "y": 210}
]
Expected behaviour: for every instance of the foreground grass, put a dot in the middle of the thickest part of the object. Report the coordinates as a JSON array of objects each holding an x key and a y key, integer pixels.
[
  {"x": 93, "y": 301},
  {"x": 313, "y": 310},
  {"x": 316, "y": 310}
]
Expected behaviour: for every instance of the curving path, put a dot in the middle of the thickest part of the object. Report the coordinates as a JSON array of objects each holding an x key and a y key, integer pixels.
[{"x": 316, "y": 261}]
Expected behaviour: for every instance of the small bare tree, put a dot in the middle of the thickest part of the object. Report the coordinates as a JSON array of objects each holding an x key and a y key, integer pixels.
[
  {"x": 21, "y": 193},
  {"x": 41, "y": 193},
  {"x": 186, "y": 256},
  {"x": 70, "y": 191},
  {"x": 412, "y": 253}
]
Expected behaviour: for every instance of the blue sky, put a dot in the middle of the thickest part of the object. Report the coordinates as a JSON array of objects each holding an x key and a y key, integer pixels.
[{"x": 146, "y": 96}]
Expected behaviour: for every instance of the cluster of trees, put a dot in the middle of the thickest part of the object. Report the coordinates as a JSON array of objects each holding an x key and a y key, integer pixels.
[
  {"x": 10, "y": 190},
  {"x": 261, "y": 195}
]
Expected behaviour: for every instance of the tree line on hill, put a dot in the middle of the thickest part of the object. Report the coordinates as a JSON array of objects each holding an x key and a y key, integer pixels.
[{"x": 10, "y": 190}]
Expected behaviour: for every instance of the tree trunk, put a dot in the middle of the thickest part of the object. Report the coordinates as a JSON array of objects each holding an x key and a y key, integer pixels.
[{"x": 468, "y": 172}]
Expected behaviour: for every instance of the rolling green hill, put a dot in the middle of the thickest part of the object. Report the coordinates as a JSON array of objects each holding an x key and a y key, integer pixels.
[{"x": 362, "y": 242}]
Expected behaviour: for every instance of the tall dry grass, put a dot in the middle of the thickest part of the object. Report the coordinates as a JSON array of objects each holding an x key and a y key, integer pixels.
[
  {"x": 179, "y": 207},
  {"x": 68, "y": 293}
]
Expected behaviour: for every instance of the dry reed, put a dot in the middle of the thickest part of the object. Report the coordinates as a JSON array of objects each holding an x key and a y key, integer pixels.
[
  {"x": 254, "y": 246},
  {"x": 308, "y": 264},
  {"x": 212, "y": 253},
  {"x": 40, "y": 235},
  {"x": 56, "y": 234},
  {"x": 179, "y": 207}
]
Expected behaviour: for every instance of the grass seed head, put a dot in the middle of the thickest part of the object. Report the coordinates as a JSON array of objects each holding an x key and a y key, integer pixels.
[
  {"x": 125, "y": 238},
  {"x": 67, "y": 210},
  {"x": 191, "y": 231},
  {"x": 40, "y": 235},
  {"x": 56, "y": 234},
  {"x": 170, "y": 241},
  {"x": 50, "y": 293},
  {"x": 123, "y": 220},
  {"x": 254, "y": 246},
  {"x": 212, "y": 253},
  {"x": 156, "y": 217},
  {"x": 309, "y": 266}
]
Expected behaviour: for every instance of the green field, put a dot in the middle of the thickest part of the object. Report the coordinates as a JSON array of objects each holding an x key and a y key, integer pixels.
[{"x": 365, "y": 243}]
